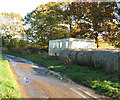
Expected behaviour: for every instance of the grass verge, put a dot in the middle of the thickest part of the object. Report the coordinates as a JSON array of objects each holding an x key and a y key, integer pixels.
[
  {"x": 9, "y": 87},
  {"x": 95, "y": 78}
]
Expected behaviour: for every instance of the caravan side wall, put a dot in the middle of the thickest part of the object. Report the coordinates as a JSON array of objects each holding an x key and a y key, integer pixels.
[
  {"x": 55, "y": 46},
  {"x": 82, "y": 44}
]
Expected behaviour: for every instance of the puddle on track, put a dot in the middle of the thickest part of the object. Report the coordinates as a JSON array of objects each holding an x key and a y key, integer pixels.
[
  {"x": 39, "y": 71},
  {"x": 25, "y": 80}
]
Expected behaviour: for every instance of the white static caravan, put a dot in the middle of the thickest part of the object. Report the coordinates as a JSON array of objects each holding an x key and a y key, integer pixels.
[{"x": 55, "y": 46}]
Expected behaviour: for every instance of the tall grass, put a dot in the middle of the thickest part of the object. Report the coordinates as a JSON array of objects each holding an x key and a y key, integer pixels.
[{"x": 9, "y": 87}]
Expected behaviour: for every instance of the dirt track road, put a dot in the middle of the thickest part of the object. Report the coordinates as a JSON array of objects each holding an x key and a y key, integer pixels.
[{"x": 40, "y": 83}]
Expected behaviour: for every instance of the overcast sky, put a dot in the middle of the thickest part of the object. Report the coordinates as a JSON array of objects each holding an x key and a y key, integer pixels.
[{"x": 21, "y": 6}]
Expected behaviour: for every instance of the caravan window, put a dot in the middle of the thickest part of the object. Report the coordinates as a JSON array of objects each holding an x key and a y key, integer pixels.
[
  {"x": 53, "y": 45},
  {"x": 66, "y": 44},
  {"x": 60, "y": 44}
]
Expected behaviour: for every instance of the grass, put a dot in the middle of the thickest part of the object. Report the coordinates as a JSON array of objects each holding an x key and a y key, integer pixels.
[
  {"x": 9, "y": 87},
  {"x": 95, "y": 78},
  {"x": 105, "y": 46}
]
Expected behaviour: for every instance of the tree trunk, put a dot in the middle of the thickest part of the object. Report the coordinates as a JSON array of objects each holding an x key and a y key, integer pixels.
[
  {"x": 27, "y": 41},
  {"x": 96, "y": 38},
  {"x": 70, "y": 29}
]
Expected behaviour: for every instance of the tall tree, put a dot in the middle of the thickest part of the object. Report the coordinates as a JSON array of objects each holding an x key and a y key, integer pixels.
[
  {"x": 11, "y": 24},
  {"x": 11, "y": 28},
  {"x": 117, "y": 16},
  {"x": 46, "y": 23},
  {"x": 95, "y": 13}
]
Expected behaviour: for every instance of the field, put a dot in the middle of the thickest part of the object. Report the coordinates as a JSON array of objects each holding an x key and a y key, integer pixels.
[
  {"x": 9, "y": 87},
  {"x": 95, "y": 78},
  {"x": 105, "y": 46}
]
